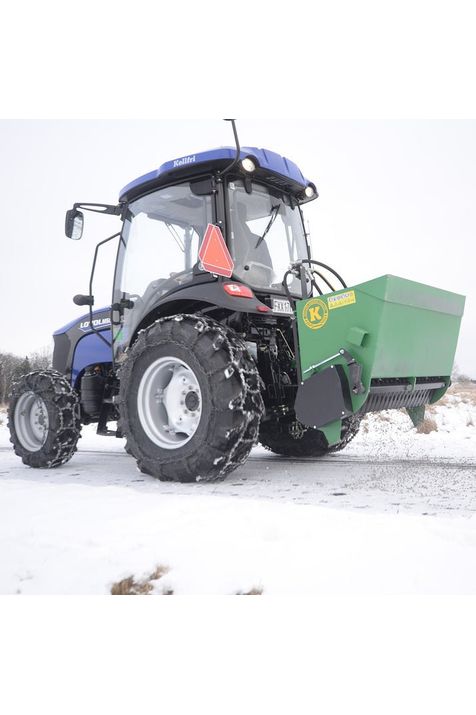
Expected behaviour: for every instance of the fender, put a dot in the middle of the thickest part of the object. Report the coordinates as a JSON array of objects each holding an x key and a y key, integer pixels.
[
  {"x": 76, "y": 346},
  {"x": 89, "y": 351},
  {"x": 187, "y": 298}
]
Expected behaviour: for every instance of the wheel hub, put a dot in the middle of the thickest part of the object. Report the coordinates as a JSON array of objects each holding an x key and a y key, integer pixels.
[
  {"x": 169, "y": 402},
  {"x": 192, "y": 401},
  {"x": 31, "y": 421}
]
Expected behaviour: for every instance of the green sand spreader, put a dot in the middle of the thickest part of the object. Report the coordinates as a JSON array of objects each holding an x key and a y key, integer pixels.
[{"x": 387, "y": 343}]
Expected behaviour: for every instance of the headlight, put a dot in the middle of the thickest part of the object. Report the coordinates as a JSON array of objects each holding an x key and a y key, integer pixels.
[{"x": 309, "y": 191}]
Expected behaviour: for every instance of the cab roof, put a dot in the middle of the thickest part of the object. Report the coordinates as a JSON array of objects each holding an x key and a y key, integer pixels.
[{"x": 271, "y": 167}]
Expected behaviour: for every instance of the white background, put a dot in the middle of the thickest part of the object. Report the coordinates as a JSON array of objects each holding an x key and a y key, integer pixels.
[{"x": 348, "y": 60}]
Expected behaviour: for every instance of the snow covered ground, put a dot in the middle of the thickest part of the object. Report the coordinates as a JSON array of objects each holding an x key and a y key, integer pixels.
[{"x": 393, "y": 513}]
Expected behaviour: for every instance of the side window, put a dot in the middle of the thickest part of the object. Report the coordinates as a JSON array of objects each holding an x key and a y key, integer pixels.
[
  {"x": 165, "y": 231},
  {"x": 157, "y": 251}
]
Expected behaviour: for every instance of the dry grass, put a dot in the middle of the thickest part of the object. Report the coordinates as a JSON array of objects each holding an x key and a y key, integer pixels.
[
  {"x": 428, "y": 425},
  {"x": 466, "y": 391},
  {"x": 254, "y": 591},
  {"x": 130, "y": 587}
]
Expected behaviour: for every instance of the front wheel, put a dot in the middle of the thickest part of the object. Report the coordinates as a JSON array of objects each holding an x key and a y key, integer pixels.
[
  {"x": 44, "y": 419},
  {"x": 189, "y": 400}
]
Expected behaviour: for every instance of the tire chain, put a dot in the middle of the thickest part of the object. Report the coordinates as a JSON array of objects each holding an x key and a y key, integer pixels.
[
  {"x": 295, "y": 442},
  {"x": 66, "y": 432},
  {"x": 249, "y": 403},
  {"x": 351, "y": 426},
  {"x": 292, "y": 439}
]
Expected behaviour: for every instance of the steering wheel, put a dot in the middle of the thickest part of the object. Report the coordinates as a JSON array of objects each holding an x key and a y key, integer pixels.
[{"x": 297, "y": 268}]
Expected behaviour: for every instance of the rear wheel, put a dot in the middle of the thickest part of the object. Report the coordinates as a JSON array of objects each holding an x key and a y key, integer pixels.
[
  {"x": 350, "y": 427},
  {"x": 189, "y": 402},
  {"x": 44, "y": 419},
  {"x": 293, "y": 439}
]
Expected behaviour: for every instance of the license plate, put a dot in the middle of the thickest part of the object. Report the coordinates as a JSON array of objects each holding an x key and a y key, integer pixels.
[{"x": 280, "y": 305}]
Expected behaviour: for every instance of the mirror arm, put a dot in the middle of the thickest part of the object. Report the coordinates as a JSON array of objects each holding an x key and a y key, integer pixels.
[{"x": 117, "y": 210}]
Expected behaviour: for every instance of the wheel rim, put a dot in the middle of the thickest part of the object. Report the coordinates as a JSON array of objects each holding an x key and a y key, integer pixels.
[
  {"x": 31, "y": 421},
  {"x": 169, "y": 402}
]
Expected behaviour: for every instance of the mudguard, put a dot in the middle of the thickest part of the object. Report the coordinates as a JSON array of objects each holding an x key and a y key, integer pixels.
[{"x": 77, "y": 346}]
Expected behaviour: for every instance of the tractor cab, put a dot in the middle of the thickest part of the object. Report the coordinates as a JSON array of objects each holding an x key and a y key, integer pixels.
[{"x": 198, "y": 233}]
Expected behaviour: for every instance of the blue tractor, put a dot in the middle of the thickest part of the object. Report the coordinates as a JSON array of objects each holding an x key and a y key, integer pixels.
[{"x": 198, "y": 357}]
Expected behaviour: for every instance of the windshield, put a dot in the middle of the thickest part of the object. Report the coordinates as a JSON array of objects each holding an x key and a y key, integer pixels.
[{"x": 267, "y": 236}]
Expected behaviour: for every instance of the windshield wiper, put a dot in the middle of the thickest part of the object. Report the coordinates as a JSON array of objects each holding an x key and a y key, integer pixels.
[{"x": 273, "y": 214}]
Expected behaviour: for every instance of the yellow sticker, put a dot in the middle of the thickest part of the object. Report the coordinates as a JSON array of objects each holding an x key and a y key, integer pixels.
[
  {"x": 341, "y": 300},
  {"x": 315, "y": 313}
]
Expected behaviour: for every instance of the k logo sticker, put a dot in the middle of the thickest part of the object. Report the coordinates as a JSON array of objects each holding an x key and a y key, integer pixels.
[{"x": 315, "y": 313}]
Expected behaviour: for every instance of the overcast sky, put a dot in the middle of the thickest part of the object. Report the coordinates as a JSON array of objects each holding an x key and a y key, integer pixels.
[{"x": 395, "y": 197}]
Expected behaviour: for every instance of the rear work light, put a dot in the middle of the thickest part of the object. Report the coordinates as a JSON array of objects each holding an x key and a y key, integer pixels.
[
  {"x": 248, "y": 165},
  {"x": 237, "y": 290}
]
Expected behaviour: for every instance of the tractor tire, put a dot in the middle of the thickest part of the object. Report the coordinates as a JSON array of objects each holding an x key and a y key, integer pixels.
[
  {"x": 44, "y": 419},
  {"x": 350, "y": 427},
  {"x": 189, "y": 400},
  {"x": 292, "y": 439}
]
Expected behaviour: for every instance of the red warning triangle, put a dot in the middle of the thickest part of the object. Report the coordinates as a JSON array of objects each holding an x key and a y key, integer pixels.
[{"x": 214, "y": 254}]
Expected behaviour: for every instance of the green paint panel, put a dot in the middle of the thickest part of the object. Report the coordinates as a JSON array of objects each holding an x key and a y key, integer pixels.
[{"x": 393, "y": 327}]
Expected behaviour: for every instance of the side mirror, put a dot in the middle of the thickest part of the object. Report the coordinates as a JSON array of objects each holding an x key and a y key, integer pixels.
[{"x": 74, "y": 224}]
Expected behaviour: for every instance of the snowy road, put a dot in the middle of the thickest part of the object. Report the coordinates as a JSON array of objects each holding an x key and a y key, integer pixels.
[
  {"x": 375, "y": 483},
  {"x": 393, "y": 513}
]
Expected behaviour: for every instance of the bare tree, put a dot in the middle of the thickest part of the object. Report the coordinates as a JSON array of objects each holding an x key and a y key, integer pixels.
[
  {"x": 41, "y": 359},
  {"x": 12, "y": 367}
]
